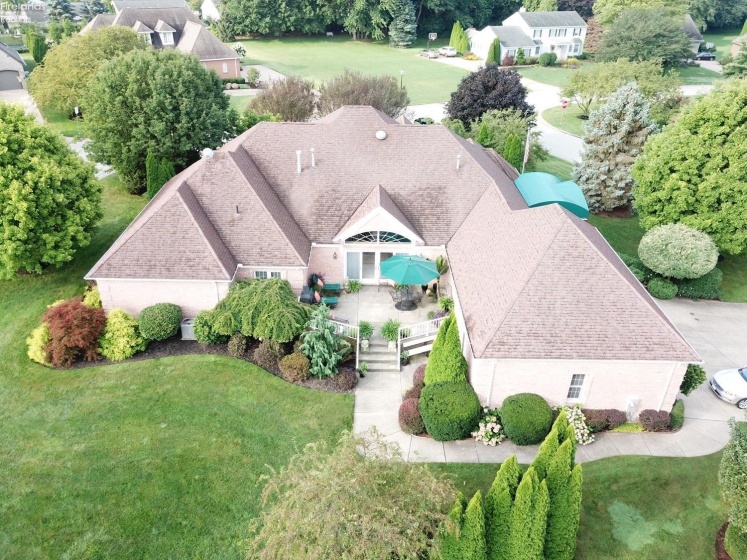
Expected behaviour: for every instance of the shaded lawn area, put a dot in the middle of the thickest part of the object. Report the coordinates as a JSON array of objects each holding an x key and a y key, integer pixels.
[
  {"x": 239, "y": 102},
  {"x": 555, "y": 166},
  {"x": 150, "y": 459},
  {"x": 697, "y": 76},
  {"x": 722, "y": 39},
  {"x": 321, "y": 58},
  {"x": 58, "y": 121},
  {"x": 566, "y": 119},
  {"x": 642, "y": 508},
  {"x": 552, "y": 75}
]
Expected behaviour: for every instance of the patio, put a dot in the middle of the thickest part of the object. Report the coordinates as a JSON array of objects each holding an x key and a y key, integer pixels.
[{"x": 376, "y": 305}]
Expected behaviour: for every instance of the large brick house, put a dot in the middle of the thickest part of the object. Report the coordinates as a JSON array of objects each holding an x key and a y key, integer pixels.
[
  {"x": 171, "y": 26},
  {"x": 543, "y": 303}
]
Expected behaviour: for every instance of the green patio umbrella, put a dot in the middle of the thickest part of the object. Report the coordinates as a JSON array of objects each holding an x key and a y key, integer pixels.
[{"x": 409, "y": 270}]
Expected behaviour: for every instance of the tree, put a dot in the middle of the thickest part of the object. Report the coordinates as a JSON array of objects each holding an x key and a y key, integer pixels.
[
  {"x": 69, "y": 67},
  {"x": 353, "y": 88},
  {"x": 49, "y": 198},
  {"x": 322, "y": 345},
  {"x": 491, "y": 87},
  {"x": 564, "y": 481},
  {"x": 356, "y": 501},
  {"x": 546, "y": 453},
  {"x": 594, "y": 34},
  {"x": 614, "y": 138},
  {"x": 446, "y": 363},
  {"x": 292, "y": 98},
  {"x": 39, "y": 48},
  {"x": 594, "y": 83},
  {"x": 74, "y": 332},
  {"x": 174, "y": 123},
  {"x": 152, "y": 173},
  {"x": 55, "y": 31},
  {"x": 92, "y": 8},
  {"x": 161, "y": 173},
  {"x": 732, "y": 476},
  {"x": 548, "y": 6},
  {"x": 251, "y": 117},
  {"x": 448, "y": 535},
  {"x": 528, "y": 518},
  {"x": 59, "y": 10},
  {"x": 368, "y": 18},
  {"x": 498, "y": 503},
  {"x": 512, "y": 151},
  {"x": 678, "y": 251},
  {"x": 472, "y": 537},
  {"x": 581, "y": 7},
  {"x": 645, "y": 34},
  {"x": 459, "y": 39},
  {"x": 494, "y": 52},
  {"x": 693, "y": 173},
  {"x": 404, "y": 26},
  {"x": 738, "y": 65},
  {"x": 608, "y": 11}
]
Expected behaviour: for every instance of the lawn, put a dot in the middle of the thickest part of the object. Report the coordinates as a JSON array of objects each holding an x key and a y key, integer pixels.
[
  {"x": 151, "y": 459},
  {"x": 722, "y": 40},
  {"x": 58, "y": 121},
  {"x": 565, "y": 119},
  {"x": 321, "y": 58},
  {"x": 552, "y": 75},
  {"x": 641, "y": 508},
  {"x": 239, "y": 102},
  {"x": 556, "y": 166},
  {"x": 697, "y": 76}
]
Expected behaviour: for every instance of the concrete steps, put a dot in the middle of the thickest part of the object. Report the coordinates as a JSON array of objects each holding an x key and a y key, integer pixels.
[{"x": 380, "y": 358}]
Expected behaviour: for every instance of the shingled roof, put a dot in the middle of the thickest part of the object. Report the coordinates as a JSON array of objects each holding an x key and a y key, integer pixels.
[{"x": 552, "y": 19}]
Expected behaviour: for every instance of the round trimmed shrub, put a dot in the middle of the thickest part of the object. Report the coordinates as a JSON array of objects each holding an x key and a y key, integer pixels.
[
  {"x": 678, "y": 251},
  {"x": 414, "y": 392},
  {"x": 547, "y": 59},
  {"x": 695, "y": 376},
  {"x": 654, "y": 420},
  {"x": 160, "y": 321},
  {"x": 450, "y": 410},
  {"x": 268, "y": 354},
  {"x": 294, "y": 367},
  {"x": 121, "y": 338},
  {"x": 410, "y": 419},
  {"x": 237, "y": 345},
  {"x": 706, "y": 287},
  {"x": 418, "y": 376},
  {"x": 527, "y": 418},
  {"x": 661, "y": 288},
  {"x": 346, "y": 380},
  {"x": 37, "y": 344},
  {"x": 92, "y": 298},
  {"x": 204, "y": 332}
]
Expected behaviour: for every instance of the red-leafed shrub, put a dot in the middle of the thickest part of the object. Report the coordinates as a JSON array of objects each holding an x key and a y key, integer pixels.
[
  {"x": 74, "y": 331},
  {"x": 409, "y": 417},
  {"x": 600, "y": 420},
  {"x": 418, "y": 377},
  {"x": 414, "y": 392},
  {"x": 346, "y": 380},
  {"x": 654, "y": 420}
]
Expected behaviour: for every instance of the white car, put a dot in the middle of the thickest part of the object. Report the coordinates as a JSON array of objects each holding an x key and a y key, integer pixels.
[
  {"x": 731, "y": 386},
  {"x": 447, "y": 51}
]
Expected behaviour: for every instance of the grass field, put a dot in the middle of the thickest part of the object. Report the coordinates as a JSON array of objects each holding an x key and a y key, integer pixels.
[
  {"x": 722, "y": 40},
  {"x": 697, "y": 76},
  {"x": 636, "y": 508},
  {"x": 239, "y": 102},
  {"x": 554, "y": 76},
  {"x": 556, "y": 166},
  {"x": 156, "y": 459},
  {"x": 565, "y": 119},
  {"x": 321, "y": 58},
  {"x": 58, "y": 121}
]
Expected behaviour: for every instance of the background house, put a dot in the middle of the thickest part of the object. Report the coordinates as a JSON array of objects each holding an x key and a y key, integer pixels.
[
  {"x": 172, "y": 27},
  {"x": 12, "y": 69},
  {"x": 533, "y": 32},
  {"x": 542, "y": 301},
  {"x": 693, "y": 33}
]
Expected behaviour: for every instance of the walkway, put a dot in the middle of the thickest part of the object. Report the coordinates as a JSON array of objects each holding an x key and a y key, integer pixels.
[{"x": 716, "y": 330}]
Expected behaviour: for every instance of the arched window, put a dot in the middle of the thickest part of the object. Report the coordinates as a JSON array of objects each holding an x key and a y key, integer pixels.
[{"x": 377, "y": 237}]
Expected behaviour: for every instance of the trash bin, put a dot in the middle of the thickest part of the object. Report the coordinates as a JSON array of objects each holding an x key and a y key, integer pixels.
[{"x": 188, "y": 329}]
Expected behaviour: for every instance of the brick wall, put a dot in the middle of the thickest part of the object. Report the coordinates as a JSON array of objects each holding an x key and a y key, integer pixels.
[
  {"x": 134, "y": 295},
  {"x": 322, "y": 260},
  {"x": 233, "y": 65},
  {"x": 608, "y": 384}
]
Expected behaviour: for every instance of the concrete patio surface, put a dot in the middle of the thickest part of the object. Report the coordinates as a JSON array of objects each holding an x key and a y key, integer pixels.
[{"x": 715, "y": 329}]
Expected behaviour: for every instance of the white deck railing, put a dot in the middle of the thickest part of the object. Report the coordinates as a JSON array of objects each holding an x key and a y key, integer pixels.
[
  {"x": 418, "y": 330},
  {"x": 349, "y": 331}
]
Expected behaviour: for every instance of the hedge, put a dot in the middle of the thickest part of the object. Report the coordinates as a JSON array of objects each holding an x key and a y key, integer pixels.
[
  {"x": 121, "y": 338},
  {"x": 705, "y": 287},
  {"x": 600, "y": 420},
  {"x": 294, "y": 367},
  {"x": 204, "y": 331},
  {"x": 677, "y": 416},
  {"x": 661, "y": 288},
  {"x": 678, "y": 251},
  {"x": 654, "y": 420},
  {"x": 527, "y": 418},
  {"x": 450, "y": 410},
  {"x": 160, "y": 321},
  {"x": 410, "y": 419}
]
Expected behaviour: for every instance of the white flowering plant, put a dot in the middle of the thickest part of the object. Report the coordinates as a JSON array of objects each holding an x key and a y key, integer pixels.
[
  {"x": 489, "y": 430},
  {"x": 577, "y": 420}
]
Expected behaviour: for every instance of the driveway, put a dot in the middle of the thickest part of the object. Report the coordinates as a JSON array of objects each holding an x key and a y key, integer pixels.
[{"x": 23, "y": 98}]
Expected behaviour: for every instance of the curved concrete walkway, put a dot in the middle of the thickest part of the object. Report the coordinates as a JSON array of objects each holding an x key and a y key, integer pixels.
[{"x": 716, "y": 330}]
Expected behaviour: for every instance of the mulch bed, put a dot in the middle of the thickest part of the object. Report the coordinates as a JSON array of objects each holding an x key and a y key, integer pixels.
[
  {"x": 176, "y": 347},
  {"x": 721, "y": 553}
]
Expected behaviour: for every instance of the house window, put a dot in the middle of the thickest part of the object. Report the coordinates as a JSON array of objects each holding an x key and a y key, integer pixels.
[
  {"x": 260, "y": 274},
  {"x": 275, "y": 275},
  {"x": 225, "y": 68},
  {"x": 167, "y": 38},
  {"x": 576, "y": 31},
  {"x": 565, "y": 32},
  {"x": 510, "y": 52},
  {"x": 537, "y": 34},
  {"x": 377, "y": 237},
  {"x": 536, "y": 51},
  {"x": 577, "y": 383}
]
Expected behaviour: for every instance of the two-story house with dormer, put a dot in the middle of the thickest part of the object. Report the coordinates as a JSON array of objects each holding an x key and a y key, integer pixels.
[{"x": 535, "y": 33}]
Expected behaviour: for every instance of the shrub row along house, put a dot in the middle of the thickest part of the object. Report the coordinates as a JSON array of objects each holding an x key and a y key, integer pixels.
[
  {"x": 172, "y": 25},
  {"x": 535, "y": 33},
  {"x": 542, "y": 302}
]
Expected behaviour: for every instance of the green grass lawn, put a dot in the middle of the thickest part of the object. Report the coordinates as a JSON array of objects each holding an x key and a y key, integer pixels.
[
  {"x": 321, "y": 58},
  {"x": 565, "y": 119},
  {"x": 29, "y": 60},
  {"x": 636, "y": 508},
  {"x": 556, "y": 166},
  {"x": 554, "y": 76},
  {"x": 722, "y": 40},
  {"x": 239, "y": 102},
  {"x": 150, "y": 459},
  {"x": 58, "y": 121},
  {"x": 697, "y": 76}
]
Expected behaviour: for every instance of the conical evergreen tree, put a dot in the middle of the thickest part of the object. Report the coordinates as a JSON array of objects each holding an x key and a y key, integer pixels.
[
  {"x": 541, "y": 507},
  {"x": 564, "y": 489},
  {"x": 546, "y": 454},
  {"x": 456, "y": 31},
  {"x": 614, "y": 137},
  {"x": 59, "y": 10},
  {"x": 512, "y": 151},
  {"x": 472, "y": 539},
  {"x": 446, "y": 362},
  {"x": 483, "y": 137},
  {"x": 404, "y": 26},
  {"x": 560, "y": 426},
  {"x": 498, "y": 503},
  {"x": 548, "y": 6},
  {"x": 522, "y": 517},
  {"x": 448, "y": 536},
  {"x": 494, "y": 51}
]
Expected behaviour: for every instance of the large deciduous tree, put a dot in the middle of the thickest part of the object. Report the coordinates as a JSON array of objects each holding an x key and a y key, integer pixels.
[
  {"x": 694, "y": 171},
  {"x": 489, "y": 88},
  {"x": 69, "y": 67},
  {"x": 581, "y": 7},
  {"x": 49, "y": 198},
  {"x": 353, "y": 88},
  {"x": 607, "y": 11},
  {"x": 292, "y": 98},
  {"x": 177, "y": 111},
  {"x": 646, "y": 34},
  {"x": 613, "y": 139},
  {"x": 356, "y": 501}
]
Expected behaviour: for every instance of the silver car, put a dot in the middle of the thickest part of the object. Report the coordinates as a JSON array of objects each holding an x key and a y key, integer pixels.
[
  {"x": 428, "y": 53},
  {"x": 447, "y": 51},
  {"x": 731, "y": 385}
]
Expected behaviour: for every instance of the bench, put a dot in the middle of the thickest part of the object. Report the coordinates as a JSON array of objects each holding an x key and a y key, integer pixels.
[
  {"x": 330, "y": 301},
  {"x": 333, "y": 287}
]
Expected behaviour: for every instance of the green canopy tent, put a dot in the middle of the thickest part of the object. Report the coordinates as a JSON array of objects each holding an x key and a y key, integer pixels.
[
  {"x": 408, "y": 270},
  {"x": 539, "y": 189}
]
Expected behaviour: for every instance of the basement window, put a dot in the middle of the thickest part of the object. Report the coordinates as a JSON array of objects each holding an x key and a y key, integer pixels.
[{"x": 577, "y": 383}]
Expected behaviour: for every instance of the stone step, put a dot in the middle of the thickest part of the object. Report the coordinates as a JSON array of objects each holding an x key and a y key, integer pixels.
[
  {"x": 381, "y": 367},
  {"x": 377, "y": 357}
]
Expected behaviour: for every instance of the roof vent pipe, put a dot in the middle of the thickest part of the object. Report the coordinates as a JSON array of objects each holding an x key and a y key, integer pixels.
[
  {"x": 459, "y": 160},
  {"x": 237, "y": 209},
  {"x": 313, "y": 159},
  {"x": 298, "y": 161}
]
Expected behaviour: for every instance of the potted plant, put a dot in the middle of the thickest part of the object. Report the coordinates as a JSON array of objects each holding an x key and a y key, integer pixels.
[
  {"x": 363, "y": 368},
  {"x": 405, "y": 357},
  {"x": 390, "y": 332},
  {"x": 365, "y": 330}
]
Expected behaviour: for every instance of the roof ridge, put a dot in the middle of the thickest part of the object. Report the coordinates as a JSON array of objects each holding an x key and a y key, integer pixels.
[{"x": 661, "y": 316}]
